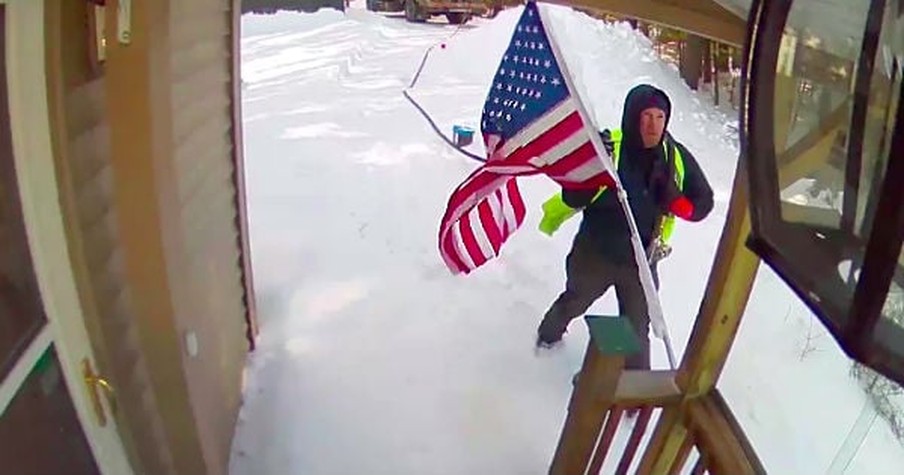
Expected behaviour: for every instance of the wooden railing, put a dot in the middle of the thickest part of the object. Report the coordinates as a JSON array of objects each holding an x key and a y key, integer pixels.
[
  {"x": 693, "y": 429},
  {"x": 722, "y": 444},
  {"x": 607, "y": 399}
]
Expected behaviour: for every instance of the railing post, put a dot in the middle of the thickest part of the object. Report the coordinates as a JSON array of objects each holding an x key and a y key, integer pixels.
[{"x": 611, "y": 340}]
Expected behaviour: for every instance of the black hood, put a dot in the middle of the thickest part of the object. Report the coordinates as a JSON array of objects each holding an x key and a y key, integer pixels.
[{"x": 639, "y": 98}]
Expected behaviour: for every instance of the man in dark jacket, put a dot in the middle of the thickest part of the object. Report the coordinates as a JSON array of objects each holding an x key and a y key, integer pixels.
[{"x": 662, "y": 180}]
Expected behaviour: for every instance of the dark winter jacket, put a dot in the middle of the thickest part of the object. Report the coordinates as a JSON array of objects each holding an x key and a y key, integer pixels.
[{"x": 647, "y": 178}]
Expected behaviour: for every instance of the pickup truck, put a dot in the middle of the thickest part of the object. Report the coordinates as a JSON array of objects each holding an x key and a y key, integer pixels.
[
  {"x": 307, "y": 6},
  {"x": 456, "y": 11}
]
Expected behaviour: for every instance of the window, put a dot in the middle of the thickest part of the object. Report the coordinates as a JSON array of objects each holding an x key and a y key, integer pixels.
[{"x": 822, "y": 123}]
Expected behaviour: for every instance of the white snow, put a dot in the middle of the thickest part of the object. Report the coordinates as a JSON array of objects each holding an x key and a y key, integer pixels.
[{"x": 373, "y": 358}]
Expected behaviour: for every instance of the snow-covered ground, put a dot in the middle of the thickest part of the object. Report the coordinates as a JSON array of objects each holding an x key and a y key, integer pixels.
[{"x": 373, "y": 358}]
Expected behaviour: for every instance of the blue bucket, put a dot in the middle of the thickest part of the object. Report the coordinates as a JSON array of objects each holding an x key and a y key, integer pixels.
[{"x": 462, "y": 136}]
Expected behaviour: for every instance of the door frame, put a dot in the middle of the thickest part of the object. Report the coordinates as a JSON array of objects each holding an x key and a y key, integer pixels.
[{"x": 39, "y": 195}]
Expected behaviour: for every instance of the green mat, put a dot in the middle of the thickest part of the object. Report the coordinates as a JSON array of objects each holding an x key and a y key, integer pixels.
[{"x": 612, "y": 335}]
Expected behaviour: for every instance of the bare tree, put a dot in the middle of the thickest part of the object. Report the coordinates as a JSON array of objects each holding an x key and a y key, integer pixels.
[
  {"x": 887, "y": 395},
  {"x": 882, "y": 392},
  {"x": 809, "y": 344}
]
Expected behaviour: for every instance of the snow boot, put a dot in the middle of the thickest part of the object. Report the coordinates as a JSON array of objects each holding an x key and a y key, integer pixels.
[
  {"x": 541, "y": 345},
  {"x": 550, "y": 332}
]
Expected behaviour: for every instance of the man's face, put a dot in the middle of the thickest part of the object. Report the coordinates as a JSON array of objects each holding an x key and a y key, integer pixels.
[{"x": 652, "y": 125}]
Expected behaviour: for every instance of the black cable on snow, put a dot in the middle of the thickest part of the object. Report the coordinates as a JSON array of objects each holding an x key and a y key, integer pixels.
[
  {"x": 440, "y": 133},
  {"x": 424, "y": 113}
]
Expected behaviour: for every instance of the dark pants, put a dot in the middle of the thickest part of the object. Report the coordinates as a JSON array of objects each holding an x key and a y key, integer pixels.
[{"x": 589, "y": 275}]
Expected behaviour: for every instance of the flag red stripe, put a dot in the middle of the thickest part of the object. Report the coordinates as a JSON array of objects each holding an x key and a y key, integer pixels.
[
  {"x": 471, "y": 192},
  {"x": 471, "y": 245},
  {"x": 489, "y": 224},
  {"x": 477, "y": 187},
  {"x": 582, "y": 156},
  {"x": 548, "y": 140},
  {"x": 573, "y": 160},
  {"x": 516, "y": 201},
  {"x": 510, "y": 202},
  {"x": 451, "y": 254}
]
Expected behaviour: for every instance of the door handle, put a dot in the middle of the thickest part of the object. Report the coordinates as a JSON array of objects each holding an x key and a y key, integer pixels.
[{"x": 93, "y": 382}]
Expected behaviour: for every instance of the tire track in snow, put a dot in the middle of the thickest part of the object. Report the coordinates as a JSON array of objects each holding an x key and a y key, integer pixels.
[{"x": 352, "y": 52}]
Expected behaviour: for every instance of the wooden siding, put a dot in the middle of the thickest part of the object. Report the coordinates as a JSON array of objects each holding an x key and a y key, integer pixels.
[
  {"x": 81, "y": 140},
  {"x": 92, "y": 185},
  {"x": 207, "y": 264},
  {"x": 158, "y": 192}
]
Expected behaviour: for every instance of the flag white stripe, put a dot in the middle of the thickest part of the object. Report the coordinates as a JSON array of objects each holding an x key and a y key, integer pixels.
[
  {"x": 496, "y": 209},
  {"x": 586, "y": 171},
  {"x": 449, "y": 254},
  {"x": 508, "y": 210},
  {"x": 480, "y": 234},
  {"x": 460, "y": 248},
  {"x": 466, "y": 204},
  {"x": 511, "y": 169},
  {"x": 447, "y": 258},
  {"x": 486, "y": 168},
  {"x": 542, "y": 124},
  {"x": 563, "y": 149}
]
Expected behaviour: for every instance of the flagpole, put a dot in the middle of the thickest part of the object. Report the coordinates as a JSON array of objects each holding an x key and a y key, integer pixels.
[{"x": 654, "y": 306}]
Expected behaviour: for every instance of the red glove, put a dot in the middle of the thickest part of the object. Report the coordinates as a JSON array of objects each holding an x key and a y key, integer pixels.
[{"x": 682, "y": 207}]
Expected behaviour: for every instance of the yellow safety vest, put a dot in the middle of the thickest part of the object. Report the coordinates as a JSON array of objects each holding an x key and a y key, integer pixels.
[{"x": 556, "y": 212}]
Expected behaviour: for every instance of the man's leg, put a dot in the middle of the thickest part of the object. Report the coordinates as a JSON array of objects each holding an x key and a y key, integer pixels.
[
  {"x": 633, "y": 304},
  {"x": 587, "y": 279}
]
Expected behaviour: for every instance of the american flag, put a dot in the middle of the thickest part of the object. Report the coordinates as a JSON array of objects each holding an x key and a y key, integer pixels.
[{"x": 531, "y": 123}]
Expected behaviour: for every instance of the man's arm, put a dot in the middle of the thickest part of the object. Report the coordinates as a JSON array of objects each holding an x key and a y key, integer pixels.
[
  {"x": 696, "y": 188},
  {"x": 578, "y": 199}
]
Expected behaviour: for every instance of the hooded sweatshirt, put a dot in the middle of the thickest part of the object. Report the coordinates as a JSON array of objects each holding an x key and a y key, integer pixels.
[{"x": 648, "y": 179}]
